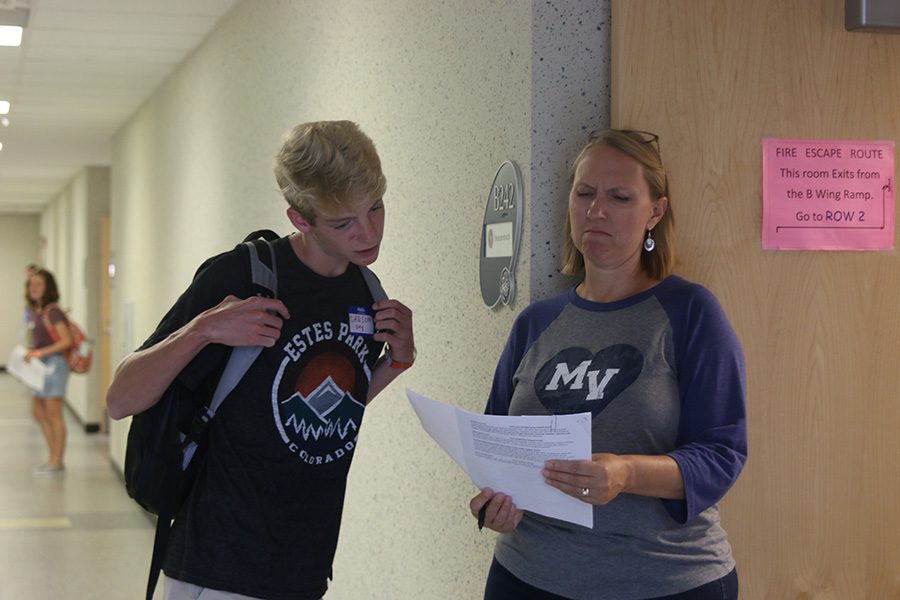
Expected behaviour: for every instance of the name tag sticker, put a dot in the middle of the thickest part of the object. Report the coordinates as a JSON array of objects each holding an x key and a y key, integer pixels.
[{"x": 362, "y": 320}]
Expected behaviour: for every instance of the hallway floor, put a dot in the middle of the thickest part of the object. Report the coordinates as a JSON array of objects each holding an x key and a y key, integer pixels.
[{"x": 73, "y": 535}]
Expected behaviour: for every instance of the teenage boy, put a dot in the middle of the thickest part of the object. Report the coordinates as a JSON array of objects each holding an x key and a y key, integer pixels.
[{"x": 262, "y": 518}]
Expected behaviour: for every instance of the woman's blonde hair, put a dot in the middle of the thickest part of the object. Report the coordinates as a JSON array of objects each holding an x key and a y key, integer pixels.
[
  {"x": 644, "y": 148},
  {"x": 325, "y": 163}
]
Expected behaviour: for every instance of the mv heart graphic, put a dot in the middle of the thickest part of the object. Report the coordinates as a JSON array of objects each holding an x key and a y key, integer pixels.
[
  {"x": 314, "y": 395},
  {"x": 577, "y": 380}
]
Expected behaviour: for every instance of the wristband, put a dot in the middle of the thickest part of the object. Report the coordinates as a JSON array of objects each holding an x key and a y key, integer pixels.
[{"x": 395, "y": 364}]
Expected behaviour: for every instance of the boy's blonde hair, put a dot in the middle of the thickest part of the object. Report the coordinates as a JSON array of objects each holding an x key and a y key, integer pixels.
[{"x": 325, "y": 163}]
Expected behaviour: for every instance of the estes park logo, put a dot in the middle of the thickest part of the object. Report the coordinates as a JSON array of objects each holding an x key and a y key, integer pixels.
[
  {"x": 318, "y": 397},
  {"x": 576, "y": 380}
]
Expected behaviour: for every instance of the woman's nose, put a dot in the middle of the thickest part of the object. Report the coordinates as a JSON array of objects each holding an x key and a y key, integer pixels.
[{"x": 595, "y": 209}]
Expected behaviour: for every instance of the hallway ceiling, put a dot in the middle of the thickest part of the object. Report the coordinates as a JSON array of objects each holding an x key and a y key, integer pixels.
[{"x": 82, "y": 70}]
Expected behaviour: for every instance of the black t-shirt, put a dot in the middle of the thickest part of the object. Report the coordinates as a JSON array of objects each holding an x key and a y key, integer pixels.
[{"x": 263, "y": 517}]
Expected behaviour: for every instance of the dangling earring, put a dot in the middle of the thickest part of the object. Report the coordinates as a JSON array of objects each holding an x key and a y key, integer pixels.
[{"x": 649, "y": 243}]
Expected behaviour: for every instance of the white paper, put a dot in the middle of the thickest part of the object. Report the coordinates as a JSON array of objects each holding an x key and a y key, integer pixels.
[
  {"x": 30, "y": 373},
  {"x": 507, "y": 454}
]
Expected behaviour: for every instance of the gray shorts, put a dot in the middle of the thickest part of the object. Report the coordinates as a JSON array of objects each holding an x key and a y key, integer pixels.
[
  {"x": 179, "y": 590},
  {"x": 56, "y": 378}
]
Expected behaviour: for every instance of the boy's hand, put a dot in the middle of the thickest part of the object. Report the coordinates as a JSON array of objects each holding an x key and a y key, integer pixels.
[
  {"x": 393, "y": 325},
  {"x": 255, "y": 321}
]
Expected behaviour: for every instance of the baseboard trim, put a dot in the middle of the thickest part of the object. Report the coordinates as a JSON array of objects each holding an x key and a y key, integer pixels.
[{"x": 89, "y": 427}]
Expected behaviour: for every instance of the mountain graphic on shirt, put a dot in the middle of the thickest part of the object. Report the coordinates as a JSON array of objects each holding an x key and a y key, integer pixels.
[{"x": 327, "y": 412}]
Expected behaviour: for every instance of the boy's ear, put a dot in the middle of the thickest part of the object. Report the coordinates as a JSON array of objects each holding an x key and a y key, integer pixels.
[{"x": 298, "y": 221}]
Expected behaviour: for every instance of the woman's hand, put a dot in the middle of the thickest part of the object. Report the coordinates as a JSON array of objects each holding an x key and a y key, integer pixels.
[
  {"x": 601, "y": 479},
  {"x": 595, "y": 481},
  {"x": 501, "y": 514}
]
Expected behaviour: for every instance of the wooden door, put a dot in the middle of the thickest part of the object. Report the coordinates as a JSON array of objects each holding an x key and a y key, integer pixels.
[{"x": 815, "y": 513}]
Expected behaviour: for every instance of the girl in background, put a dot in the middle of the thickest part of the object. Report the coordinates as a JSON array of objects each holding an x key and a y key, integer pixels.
[{"x": 50, "y": 339}]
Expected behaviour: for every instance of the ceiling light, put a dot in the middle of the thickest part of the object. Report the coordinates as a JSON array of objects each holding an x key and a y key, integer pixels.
[
  {"x": 4, "y": 107},
  {"x": 10, "y": 36},
  {"x": 12, "y": 22},
  {"x": 1, "y": 145},
  {"x": 4, "y": 122}
]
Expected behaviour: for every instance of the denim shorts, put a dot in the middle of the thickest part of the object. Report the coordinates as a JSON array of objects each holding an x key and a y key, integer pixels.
[{"x": 56, "y": 378}]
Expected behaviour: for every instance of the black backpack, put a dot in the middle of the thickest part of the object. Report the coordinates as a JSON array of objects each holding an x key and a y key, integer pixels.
[
  {"x": 166, "y": 442},
  {"x": 165, "y": 439}
]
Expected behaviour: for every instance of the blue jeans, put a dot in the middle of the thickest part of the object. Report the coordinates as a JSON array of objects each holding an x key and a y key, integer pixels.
[{"x": 503, "y": 585}]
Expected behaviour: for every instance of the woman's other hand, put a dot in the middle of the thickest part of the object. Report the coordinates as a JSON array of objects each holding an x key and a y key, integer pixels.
[{"x": 501, "y": 514}]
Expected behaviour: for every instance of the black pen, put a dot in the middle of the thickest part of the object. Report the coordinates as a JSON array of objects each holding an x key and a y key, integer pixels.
[{"x": 482, "y": 513}]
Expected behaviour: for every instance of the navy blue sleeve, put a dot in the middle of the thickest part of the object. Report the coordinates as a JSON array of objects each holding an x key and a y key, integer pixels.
[
  {"x": 712, "y": 434},
  {"x": 502, "y": 387},
  {"x": 527, "y": 328}
]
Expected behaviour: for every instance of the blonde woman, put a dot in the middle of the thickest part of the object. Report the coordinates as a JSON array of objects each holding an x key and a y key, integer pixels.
[{"x": 655, "y": 361}]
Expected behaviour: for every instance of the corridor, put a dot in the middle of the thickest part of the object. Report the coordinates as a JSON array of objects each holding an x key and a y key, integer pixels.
[{"x": 75, "y": 535}]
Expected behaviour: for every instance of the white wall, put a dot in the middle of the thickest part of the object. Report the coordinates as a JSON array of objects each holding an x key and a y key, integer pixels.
[
  {"x": 19, "y": 247},
  {"x": 448, "y": 91},
  {"x": 71, "y": 226}
]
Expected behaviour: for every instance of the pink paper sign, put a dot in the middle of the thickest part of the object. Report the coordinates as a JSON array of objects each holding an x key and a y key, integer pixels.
[{"x": 828, "y": 195}]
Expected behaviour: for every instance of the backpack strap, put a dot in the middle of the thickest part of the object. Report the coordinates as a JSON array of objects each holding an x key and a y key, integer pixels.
[
  {"x": 45, "y": 317},
  {"x": 160, "y": 542},
  {"x": 266, "y": 234},
  {"x": 242, "y": 357},
  {"x": 264, "y": 277},
  {"x": 374, "y": 284}
]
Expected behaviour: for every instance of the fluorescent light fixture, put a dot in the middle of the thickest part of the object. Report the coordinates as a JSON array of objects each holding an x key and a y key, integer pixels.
[
  {"x": 12, "y": 22},
  {"x": 1, "y": 145},
  {"x": 4, "y": 122},
  {"x": 4, "y": 107},
  {"x": 10, "y": 35}
]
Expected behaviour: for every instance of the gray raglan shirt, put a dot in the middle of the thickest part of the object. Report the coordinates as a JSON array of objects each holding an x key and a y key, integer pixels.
[{"x": 663, "y": 373}]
